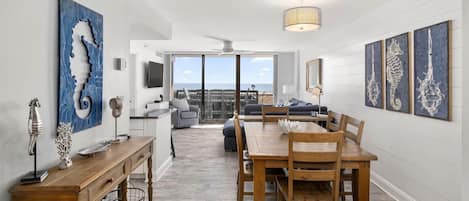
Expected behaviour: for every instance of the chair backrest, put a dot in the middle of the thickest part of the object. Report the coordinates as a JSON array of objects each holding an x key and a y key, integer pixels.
[
  {"x": 353, "y": 129},
  {"x": 273, "y": 114},
  {"x": 315, "y": 148},
  {"x": 239, "y": 143},
  {"x": 335, "y": 121}
]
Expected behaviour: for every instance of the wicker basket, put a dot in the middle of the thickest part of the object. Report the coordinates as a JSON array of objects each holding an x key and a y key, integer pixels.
[{"x": 133, "y": 194}]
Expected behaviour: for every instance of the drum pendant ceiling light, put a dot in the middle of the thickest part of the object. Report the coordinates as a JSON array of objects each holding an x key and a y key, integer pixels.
[{"x": 302, "y": 19}]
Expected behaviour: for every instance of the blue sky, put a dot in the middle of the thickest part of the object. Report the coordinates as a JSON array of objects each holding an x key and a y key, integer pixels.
[{"x": 221, "y": 69}]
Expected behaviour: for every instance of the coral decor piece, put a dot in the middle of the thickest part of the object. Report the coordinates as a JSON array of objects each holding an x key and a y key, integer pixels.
[{"x": 64, "y": 144}]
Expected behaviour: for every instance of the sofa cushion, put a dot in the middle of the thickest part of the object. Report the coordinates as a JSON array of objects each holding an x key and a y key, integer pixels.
[
  {"x": 229, "y": 130},
  {"x": 180, "y": 104},
  {"x": 188, "y": 115}
]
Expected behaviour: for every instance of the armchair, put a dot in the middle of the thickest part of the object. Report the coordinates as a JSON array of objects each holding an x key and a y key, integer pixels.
[{"x": 185, "y": 119}]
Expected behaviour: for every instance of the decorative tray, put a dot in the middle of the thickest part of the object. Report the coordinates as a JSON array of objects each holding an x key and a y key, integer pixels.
[{"x": 94, "y": 149}]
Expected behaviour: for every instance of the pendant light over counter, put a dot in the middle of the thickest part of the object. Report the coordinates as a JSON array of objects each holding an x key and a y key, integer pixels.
[{"x": 302, "y": 19}]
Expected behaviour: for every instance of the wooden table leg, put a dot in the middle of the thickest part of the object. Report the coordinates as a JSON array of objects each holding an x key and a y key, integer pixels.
[
  {"x": 123, "y": 190},
  {"x": 150, "y": 178},
  {"x": 363, "y": 174},
  {"x": 259, "y": 180}
]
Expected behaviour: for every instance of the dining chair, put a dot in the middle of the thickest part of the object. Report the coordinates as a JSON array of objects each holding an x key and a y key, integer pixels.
[
  {"x": 312, "y": 184},
  {"x": 353, "y": 131},
  {"x": 335, "y": 121},
  {"x": 245, "y": 173},
  {"x": 273, "y": 114}
]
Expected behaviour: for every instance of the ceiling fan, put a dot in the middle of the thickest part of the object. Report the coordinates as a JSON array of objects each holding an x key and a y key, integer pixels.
[{"x": 228, "y": 47}]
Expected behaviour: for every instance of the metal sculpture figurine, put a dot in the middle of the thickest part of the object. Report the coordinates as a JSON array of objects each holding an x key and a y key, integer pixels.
[
  {"x": 34, "y": 125},
  {"x": 116, "y": 105},
  {"x": 34, "y": 130}
]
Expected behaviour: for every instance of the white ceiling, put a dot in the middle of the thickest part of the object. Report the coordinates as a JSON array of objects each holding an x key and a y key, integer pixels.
[{"x": 251, "y": 24}]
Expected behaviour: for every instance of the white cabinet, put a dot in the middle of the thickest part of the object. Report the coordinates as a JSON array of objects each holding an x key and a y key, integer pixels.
[{"x": 160, "y": 128}]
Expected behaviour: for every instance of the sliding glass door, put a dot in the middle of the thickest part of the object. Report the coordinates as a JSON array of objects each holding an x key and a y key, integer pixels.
[
  {"x": 187, "y": 78},
  {"x": 257, "y": 78},
  {"x": 210, "y": 83},
  {"x": 220, "y": 91}
]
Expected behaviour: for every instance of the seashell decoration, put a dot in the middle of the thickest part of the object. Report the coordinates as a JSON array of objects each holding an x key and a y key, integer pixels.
[
  {"x": 373, "y": 87},
  {"x": 287, "y": 125},
  {"x": 429, "y": 93}
]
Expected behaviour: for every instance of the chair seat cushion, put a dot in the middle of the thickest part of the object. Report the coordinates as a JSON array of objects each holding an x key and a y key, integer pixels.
[
  {"x": 188, "y": 115},
  {"x": 305, "y": 190}
]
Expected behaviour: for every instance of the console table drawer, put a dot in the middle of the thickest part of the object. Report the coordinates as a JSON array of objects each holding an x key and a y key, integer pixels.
[
  {"x": 142, "y": 155},
  {"x": 108, "y": 181}
]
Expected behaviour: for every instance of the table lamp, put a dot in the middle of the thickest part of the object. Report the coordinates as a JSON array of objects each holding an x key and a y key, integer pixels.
[{"x": 317, "y": 92}]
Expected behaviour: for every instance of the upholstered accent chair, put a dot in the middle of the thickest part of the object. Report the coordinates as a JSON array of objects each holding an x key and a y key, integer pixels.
[{"x": 185, "y": 116}]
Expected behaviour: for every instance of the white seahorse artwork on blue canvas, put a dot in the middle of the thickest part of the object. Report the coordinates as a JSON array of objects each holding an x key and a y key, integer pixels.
[
  {"x": 395, "y": 72},
  {"x": 373, "y": 87},
  {"x": 429, "y": 92}
]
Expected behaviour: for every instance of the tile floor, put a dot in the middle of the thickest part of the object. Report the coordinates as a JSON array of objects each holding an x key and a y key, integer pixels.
[{"x": 203, "y": 171}]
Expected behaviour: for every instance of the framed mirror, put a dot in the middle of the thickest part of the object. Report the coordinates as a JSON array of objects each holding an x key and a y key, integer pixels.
[{"x": 313, "y": 74}]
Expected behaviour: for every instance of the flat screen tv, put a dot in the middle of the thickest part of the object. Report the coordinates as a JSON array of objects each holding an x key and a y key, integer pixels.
[{"x": 154, "y": 75}]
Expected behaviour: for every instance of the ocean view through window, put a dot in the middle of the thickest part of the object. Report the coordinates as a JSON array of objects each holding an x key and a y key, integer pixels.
[{"x": 210, "y": 83}]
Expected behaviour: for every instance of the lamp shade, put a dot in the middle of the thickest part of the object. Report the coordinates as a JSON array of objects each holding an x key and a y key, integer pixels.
[{"x": 301, "y": 19}]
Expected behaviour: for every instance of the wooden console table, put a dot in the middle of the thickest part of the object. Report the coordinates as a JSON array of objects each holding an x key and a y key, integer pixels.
[{"x": 90, "y": 179}]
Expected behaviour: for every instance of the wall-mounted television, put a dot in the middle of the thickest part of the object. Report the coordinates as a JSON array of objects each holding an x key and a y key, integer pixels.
[{"x": 154, "y": 75}]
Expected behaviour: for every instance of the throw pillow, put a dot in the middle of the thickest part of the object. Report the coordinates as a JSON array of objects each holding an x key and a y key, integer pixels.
[{"x": 181, "y": 104}]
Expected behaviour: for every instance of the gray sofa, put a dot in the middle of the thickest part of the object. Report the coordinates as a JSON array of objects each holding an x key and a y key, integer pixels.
[
  {"x": 186, "y": 119},
  {"x": 296, "y": 107}
]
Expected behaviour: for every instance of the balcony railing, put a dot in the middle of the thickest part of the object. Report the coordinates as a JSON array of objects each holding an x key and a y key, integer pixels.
[{"x": 220, "y": 104}]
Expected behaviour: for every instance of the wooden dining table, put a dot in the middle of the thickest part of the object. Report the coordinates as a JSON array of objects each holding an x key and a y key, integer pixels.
[{"x": 268, "y": 148}]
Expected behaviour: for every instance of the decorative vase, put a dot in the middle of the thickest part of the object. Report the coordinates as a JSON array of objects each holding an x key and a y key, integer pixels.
[{"x": 65, "y": 163}]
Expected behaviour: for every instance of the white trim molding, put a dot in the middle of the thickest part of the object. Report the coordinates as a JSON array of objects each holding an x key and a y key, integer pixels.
[
  {"x": 163, "y": 168},
  {"x": 393, "y": 191}
]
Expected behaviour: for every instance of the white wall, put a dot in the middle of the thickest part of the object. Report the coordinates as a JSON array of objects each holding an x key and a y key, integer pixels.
[
  {"x": 465, "y": 127},
  {"x": 141, "y": 94},
  {"x": 285, "y": 74},
  {"x": 30, "y": 69},
  {"x": 420, "y": 156}
]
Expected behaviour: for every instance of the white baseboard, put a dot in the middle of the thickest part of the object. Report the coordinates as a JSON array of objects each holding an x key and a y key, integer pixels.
[
  {"x": 164, "y": 167},
  {"x": 393, "y": 191}
]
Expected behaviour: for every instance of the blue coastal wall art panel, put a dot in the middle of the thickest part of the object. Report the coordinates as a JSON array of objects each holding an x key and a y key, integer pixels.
[
  {"x": 432, "y": 71},
  {"x": 81, "y": 66},
  {"x": 397, "y": 74},
  {"x": 374, "y": 74}
]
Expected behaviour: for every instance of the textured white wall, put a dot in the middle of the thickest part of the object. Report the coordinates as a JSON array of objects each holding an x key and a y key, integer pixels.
[
  {"x": 29, "y": 68},
  {"x": 465, "y": 127},
  {"x": 420, "y": 156}
]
